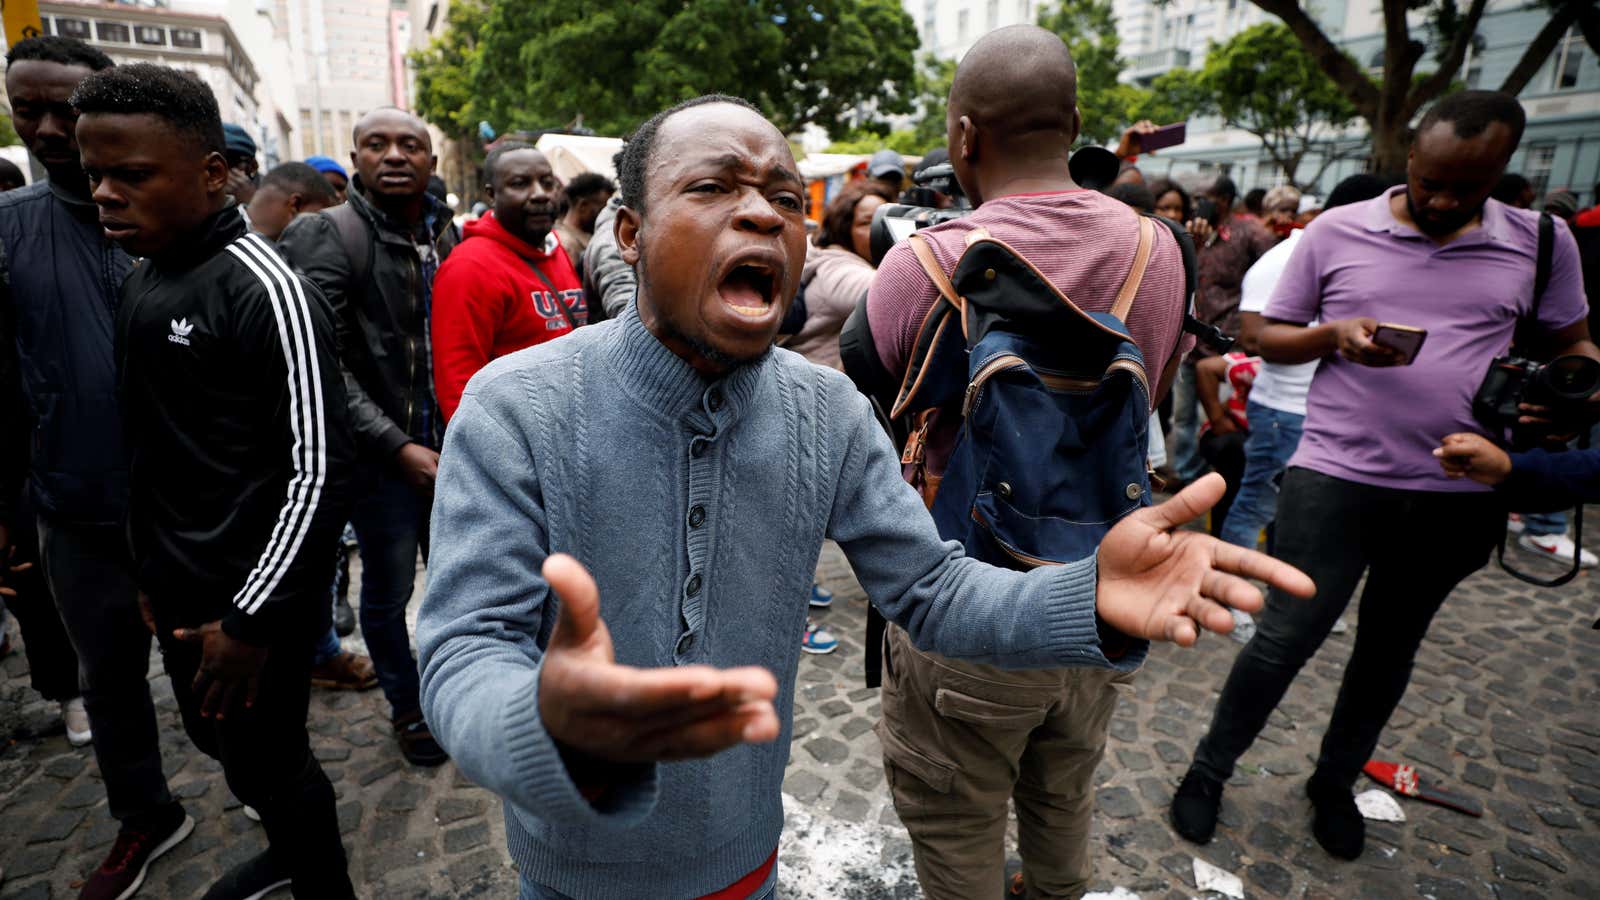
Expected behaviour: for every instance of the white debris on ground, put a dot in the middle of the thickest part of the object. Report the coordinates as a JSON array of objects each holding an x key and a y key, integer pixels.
[
  {"x": 1117, "y": 893},
  {"x": 1379, "y": 806},
  {"x": 824, "y": 858},
  {"x": 1210, "y": 878}
]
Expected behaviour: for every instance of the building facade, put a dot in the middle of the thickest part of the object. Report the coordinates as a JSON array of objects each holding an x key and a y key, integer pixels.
[
  {"x": 1560, "y": 149},
  {"x": 201, "y": 42},
  {"x": 348, "y": 60}
]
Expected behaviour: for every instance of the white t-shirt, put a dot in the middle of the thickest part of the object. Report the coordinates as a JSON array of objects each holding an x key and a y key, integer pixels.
[{"x": 1279, "y": 387}]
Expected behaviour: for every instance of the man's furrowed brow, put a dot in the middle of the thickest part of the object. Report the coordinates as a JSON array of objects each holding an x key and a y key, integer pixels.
[{"x": 736, "y": 163}]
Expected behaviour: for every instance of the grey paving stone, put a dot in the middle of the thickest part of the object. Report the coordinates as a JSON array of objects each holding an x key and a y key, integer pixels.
[
  {"x": 804, "y": 786},
  {"x": 32, "y": 861},
  {"x": 828, "y": 751},
  {"x": 1536, "y": 853},
  {"x": 1117, "y": 802},
  {"x": 402, "y": 796},
  {"x": 855, "y": 728},
  {"x": 56, "y": 826},
  {"x": 66, "y": 766},
  {"x": 850, "y": 807},
  {"x": 467, "y": 837},
  {"x": 379, "y": 771},
  {"x": 454, "y": 809}
]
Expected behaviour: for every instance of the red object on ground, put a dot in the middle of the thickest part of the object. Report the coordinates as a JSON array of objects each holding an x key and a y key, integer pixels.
[{"x": 1404, "y": 779}]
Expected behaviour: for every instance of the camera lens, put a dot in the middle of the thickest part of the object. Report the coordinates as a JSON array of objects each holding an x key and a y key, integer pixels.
[{"x": 1572, "y": 377}]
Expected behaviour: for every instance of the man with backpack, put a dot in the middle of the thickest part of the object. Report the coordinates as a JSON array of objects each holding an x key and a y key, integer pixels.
[
  {"x": 374, "y": 258},
  {"x": 962, "y": 738},
  {"x": 1363, "y": 493},
  {"x": 510, "y": 284}
]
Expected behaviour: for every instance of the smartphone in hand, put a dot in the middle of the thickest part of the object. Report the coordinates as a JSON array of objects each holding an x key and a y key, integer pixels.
[
  {"x": 1165, "y": 136},
  {"x": 1403, "y": 339}
]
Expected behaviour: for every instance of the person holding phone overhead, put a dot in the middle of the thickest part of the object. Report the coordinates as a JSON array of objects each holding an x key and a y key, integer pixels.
[{"x": 1363, "y": 492}]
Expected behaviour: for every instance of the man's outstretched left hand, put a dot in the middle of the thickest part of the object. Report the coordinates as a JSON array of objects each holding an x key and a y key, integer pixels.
[
  {"x": 230, "y": 669},
  {"x": 1162, "y": 584}
]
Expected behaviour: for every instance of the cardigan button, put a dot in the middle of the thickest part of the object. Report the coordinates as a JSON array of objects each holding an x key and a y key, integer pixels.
[
  {"x": 693, "y": 587},
  {"x": 697, "y": 516}
]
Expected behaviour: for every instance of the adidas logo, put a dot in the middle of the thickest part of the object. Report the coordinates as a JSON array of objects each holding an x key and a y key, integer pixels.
[{"x": 180, "y": 331}]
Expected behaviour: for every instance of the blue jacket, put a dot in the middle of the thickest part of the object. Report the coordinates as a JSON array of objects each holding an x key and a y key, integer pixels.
[
  {"x": 700, "y": 508},
  {"x": 1542, "y": 481},
  {"x": 59, "y": 278}
]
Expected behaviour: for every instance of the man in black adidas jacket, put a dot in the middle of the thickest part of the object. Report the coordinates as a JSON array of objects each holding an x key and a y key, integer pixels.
[{"x": 238, "y": 458}]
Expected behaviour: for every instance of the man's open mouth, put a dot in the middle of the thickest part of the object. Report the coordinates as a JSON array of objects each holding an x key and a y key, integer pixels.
[{"x": 750, "y": 288}]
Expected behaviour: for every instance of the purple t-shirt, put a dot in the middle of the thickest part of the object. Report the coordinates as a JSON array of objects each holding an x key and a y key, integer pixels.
[{"x": 1379, "y": 426}]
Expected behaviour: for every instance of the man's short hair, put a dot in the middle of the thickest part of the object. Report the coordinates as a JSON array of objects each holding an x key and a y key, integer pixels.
[
  {"x": 1472, "y": 112},
  {"x": 1359, "y": 187},
  {"x": 1510, "y": 188},
  {"x": 299, "y": 178},
  {"x": 589, "y": 184},
  {"x": 56, "y": 49},
  {"x": 501, "y": 149},
  {"x": 1255, "y": 200},
  {"x": 1134, "y": 194},
  {"x": 177, "y": 98},
  {"x": 636, "y": 154},
  {"x": 1224, "y": 188}
]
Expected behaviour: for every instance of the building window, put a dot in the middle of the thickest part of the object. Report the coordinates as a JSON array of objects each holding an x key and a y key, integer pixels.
[
  {"x": 994, "y": 14},
  {"x": 1541, "y": 162},
  {"x": 1024, "y": 10},
  {"x": 187, "y": 38},
  {"x": 78, "y": 29},
  {"x": 44, "y": 25},
  {"x": 150, "y": 34},
  {"x": 113, "y": 32},
  {"x": 1568, "y": 57},
  {"x": 962, "y": 21}
]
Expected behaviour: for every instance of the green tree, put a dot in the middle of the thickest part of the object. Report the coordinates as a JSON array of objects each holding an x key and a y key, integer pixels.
[
  {"x": 1089, "y": 29},
  {"x": 1389, "y": 101},
  {"x": 843, "y": 64},
  {"x": 1263, "y": 82},
  {"x": 446, "y": 96},
  {"x": 8, "y": 134},
  {"x": 933, "y": 79}
]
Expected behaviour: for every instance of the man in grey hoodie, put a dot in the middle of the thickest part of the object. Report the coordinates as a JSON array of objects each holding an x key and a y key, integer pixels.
[{"x": 695, "y": 472}]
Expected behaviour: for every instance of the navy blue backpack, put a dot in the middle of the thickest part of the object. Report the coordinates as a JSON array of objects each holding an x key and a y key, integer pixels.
[{"x": 1054, "y": 404}]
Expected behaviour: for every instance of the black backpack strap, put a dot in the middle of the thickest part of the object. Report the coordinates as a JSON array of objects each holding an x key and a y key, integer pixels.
[
  {"x": 566, "y": 310},
  {"x": 355, "y": 237},
  {"x": 1541, "y": 272}
]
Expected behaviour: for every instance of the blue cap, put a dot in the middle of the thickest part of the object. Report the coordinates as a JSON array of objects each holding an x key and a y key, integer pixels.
[
  {"x": 237, "y": 140},
  {"x": 326, "y": 164}
]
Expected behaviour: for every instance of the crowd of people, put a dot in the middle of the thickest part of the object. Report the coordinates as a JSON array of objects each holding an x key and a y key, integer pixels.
[{"x": 216, "y": 382}]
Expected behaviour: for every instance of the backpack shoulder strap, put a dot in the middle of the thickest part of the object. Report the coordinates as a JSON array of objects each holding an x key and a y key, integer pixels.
[
  {"x": 1141, "y": 259},
  {"x": 936, "y": 272},
  {"x": 355, "y": 237},
  {"x": 1541, "y": 272}
]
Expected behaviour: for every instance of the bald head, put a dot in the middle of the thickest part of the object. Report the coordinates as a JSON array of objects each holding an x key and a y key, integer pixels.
[
  {"x": 390, "y": 118},
  {"x": 1018, "y": 84},
  {"x": 393, "y": 158}
]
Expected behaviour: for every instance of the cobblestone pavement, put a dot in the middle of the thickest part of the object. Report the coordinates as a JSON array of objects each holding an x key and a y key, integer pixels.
[{"x": 1503, "y": 706}]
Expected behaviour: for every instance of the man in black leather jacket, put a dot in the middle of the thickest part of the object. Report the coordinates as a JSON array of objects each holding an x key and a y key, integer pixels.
[{"x": 375, "y": 258}]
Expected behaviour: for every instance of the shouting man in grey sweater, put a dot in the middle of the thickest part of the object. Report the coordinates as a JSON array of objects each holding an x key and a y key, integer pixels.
[{"x": 671, "y": 473}]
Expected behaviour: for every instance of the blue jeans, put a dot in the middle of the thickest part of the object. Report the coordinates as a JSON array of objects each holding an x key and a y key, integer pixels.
[
  {"x": 1545, "y": 523},
  {"x": 391, "y": 522},
  {"x": 1274, "y": 435},
  {"x": 530, "y": 890},
  {"x": 1183, "y": 453}
]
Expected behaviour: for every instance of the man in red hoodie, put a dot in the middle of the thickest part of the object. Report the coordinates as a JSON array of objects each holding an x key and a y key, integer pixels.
[{"x": 508, "y": 285}]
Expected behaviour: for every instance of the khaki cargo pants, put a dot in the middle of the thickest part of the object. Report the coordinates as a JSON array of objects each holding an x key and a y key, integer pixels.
[{"x": 960, "y": 739}]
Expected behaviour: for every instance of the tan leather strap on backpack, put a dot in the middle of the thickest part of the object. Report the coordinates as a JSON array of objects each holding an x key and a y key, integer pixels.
[
  {"x": 1141, "y": 258},
  {"x": 924, "y": 253}
]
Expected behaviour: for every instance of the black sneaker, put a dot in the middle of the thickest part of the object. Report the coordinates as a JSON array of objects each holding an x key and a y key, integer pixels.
[
  {"x": 1335, "y": 820},
  {"x": 1194, "y": 807},
  {"x": 416, "y": 741},
  {"x": 252, "y": 879}
]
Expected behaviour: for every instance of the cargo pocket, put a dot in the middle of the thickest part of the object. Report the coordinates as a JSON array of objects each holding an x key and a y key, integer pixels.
[
  {"x": 933, "y": 774},
  {"x": 987, "y": 713}
]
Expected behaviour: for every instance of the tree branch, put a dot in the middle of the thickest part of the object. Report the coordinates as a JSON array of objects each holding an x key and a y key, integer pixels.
[
  {"x": 1344, "y": 71},
  {"x": 1453, "y": 57},
  {"x": 1539, "y": 49},
  {"x": 1589, "y": 24}
]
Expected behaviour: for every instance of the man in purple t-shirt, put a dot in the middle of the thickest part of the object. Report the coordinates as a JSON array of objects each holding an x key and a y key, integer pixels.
[{"x": 1363, "y": 493}]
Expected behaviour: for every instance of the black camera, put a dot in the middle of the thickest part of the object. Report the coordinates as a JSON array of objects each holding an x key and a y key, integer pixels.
[{"x": 1563, "y": 386}]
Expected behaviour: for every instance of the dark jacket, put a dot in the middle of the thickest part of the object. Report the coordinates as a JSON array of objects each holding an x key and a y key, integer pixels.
[
  {"x": 240, "y": 453},
  {"x": 58, "y": 379},
  {"x": 1543, "y": 481},
  {"x": 383, "y": 321}
]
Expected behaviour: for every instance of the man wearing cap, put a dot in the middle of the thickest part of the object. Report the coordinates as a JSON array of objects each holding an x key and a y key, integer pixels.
[
  {"x": 244, "y": 173},
  {"x": 332, "y": 171},
  {"x": 887, "y": 167}
]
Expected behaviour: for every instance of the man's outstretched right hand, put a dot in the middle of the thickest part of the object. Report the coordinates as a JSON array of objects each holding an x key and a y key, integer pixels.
[{"x": 624, "y": 714}]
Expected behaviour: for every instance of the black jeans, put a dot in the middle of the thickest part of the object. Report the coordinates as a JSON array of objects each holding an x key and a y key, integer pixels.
[
  {"x": 266, "y": 755},
  {"x": 52, "y": 663},
  {"x": 1415, "y": 547}
]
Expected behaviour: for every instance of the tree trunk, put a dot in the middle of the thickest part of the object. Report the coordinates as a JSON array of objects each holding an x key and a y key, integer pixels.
[{"x": 1391, "y": 144}]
